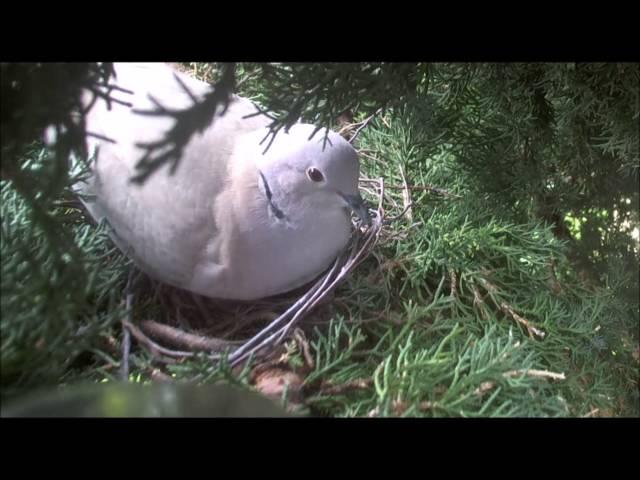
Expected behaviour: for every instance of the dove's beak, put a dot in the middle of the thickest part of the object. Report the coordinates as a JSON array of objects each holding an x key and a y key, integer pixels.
[{"x": 359, "y": 207}]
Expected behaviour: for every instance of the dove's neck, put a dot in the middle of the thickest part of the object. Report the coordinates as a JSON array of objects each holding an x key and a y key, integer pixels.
[{"x": 268, "y": 194}]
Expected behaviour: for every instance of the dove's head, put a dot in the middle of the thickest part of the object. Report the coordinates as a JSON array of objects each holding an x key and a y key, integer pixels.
[{"x": 323, "y": 172}]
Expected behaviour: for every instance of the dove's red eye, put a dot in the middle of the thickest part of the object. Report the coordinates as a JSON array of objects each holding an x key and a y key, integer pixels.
[{"x": 314, "y": 174}]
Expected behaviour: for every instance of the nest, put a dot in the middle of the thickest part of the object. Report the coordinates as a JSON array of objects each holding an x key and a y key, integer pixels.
[{"x": 238, "y": 331}]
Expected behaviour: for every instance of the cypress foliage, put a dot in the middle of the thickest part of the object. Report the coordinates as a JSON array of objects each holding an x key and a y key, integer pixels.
[{"x": 515, "y": 295}]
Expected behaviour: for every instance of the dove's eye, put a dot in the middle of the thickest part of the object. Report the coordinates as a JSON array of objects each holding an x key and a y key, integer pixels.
[{"x": 314, "y": 174}]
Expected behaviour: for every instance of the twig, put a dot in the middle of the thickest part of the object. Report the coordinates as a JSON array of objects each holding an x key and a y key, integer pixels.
[
  {"x": 126, "y": 338},
  {"x": 363, "y": 124},
  {"x": 345, "y": 122},
  {"x": 153, "y": 346},
  {"x": 592, "y": 413},
  {"x": 259, "y": 341},
  {"x": 357, "y": 384},
  {"x": 279, "y": 363},
  {"x": 486, "y": 386},
  {"x": 299, "y": 337},
  {"x": 535, "y": 373},
  {"x": 406, "y": 194},
  {"x": 478, "y": 301},
  {"x": 373, "y": 412},
  {"x": 427, "y": 405},
  {"x": 67, "y": 204},
  {"x": 555, "y": 284},
  {"x": 200, "y": 304},
  {"x": 364, "y": 154},
  {"x": 159, "y": 376},
  {"x": 508, "y": 352},
  {"x": 508, "y": 309},
  {"x": 242, "y": 321},
  {"x": 453, "y": 279},
  {"x": 397, "y": 217},
  {"x": 399, "y": 407},
  {"x": 126, "y": 348},
  {"x": 505, "y": 307},
  {"x": 428, "y": 188},
  {"x": 182, "y": 339}
]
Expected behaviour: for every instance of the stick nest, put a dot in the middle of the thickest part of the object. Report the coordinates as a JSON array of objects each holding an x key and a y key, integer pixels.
[{"x": 244, "y": 330}]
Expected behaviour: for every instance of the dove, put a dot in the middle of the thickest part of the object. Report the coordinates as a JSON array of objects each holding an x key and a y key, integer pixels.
[{"x": 234, "y": 219}]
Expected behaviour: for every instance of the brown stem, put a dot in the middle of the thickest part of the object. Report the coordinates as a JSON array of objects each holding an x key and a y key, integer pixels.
[{"x": 182, "y": 339}]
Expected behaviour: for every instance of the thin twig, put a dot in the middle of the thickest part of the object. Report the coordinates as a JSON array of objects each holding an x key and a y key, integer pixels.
[
  {"x": 159, "y": 376},
  {"x": 153, "y": 346},
  {"x": 67, "y": 204},
  {"x": 182, "y": 339},
  {"x": 489, "y": 385},
  {"x": 505, "y": 307},
  {"x": 508, "y": 309},
  {"x": 453, "y": 280},
  {"x": 198, "y": 300},
  {"x": 299, "y": 337},
  {"x": 428, "y": 188},
  {"x": 357, "y": 384},
  {"x": 126, "y": 338},
  {"x": 555, "y": 284},
  {"x": 367, "y": 155},
  {"x": 535, "y": 373},
  {"x": 364, "y": 123},
  {"x": 126, "y": 347},
  {"x": 406, "y": 194},
  {"x": 399, "y": 406},
  {"x": 478, "y": 301},
  {"x": 591, "y": 413},
  {"x": 484, "y": 388},
  {"x": 427, "y": 405},
  {"x": 397, "y": 217}
]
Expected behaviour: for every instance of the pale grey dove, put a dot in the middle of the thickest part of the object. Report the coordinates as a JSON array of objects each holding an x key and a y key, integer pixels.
[{"x": 231, "y": 222}]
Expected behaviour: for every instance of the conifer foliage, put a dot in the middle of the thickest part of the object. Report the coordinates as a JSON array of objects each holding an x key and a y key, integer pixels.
[{"x": 508, "y": 288}]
